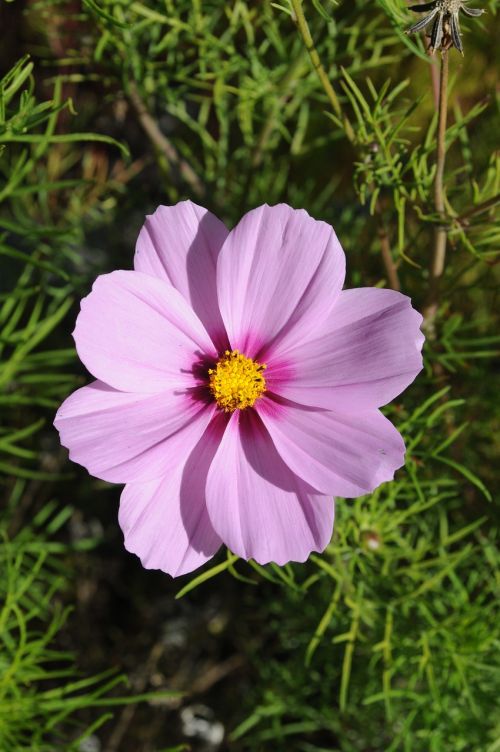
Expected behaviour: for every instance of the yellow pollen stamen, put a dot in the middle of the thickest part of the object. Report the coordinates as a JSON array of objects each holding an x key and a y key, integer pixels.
[{"x": 236, "y": 381}]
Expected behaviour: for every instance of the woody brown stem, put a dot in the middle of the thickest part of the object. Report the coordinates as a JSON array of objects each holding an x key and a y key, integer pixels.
[
  {"x": 478, "y": 209},
  {"x": 440, "y": 234},
  {"x": 385, "y": 247},
  {"x": 162, "y": 143}
]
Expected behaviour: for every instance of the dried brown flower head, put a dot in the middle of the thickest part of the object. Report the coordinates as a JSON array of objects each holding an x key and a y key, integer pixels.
[{"x": 445, "y": 32}]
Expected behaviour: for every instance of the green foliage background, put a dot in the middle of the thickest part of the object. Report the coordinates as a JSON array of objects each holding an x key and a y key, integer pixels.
[{"x": 388, "y": 641}]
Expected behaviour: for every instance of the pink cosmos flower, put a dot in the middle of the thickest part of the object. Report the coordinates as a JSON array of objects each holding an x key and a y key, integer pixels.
[{"x": 238, "y": 386}]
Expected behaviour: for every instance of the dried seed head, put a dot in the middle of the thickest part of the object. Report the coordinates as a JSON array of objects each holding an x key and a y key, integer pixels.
[{"x": 444, "y": 17}]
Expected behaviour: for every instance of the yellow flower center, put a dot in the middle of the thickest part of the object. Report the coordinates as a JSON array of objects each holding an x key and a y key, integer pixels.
[{"x": 236, "y": 381}]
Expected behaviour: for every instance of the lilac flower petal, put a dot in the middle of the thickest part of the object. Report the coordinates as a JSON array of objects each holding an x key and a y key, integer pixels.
[
  {"x": 137, "y": 333},
  {"x": 122, "y": 437},
  {"x": 166, "y": 522},
  {"x": 260, "y": 509},
  {"x": 365, "y": 355},
  {"x": 260, "y": 479},
  {"x": 180, "y": 244},
  {"x": 278, "y": 275},
  {"x": 336, "y": 453}
]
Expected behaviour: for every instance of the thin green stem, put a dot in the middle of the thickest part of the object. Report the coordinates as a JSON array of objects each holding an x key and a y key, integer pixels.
[
  {"x": 440, "y": 235},
  {"x": 303, "y": 27},
  {"x": 285, "y": 86}
]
